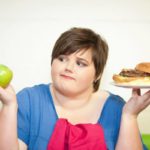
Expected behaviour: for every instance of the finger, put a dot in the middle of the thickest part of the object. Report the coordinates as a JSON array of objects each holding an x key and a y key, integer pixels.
[
  {"x": 146, "y": 96},
  {"x": 147, "y": 92},
  {"x": 136, "y": 92},
  {"x": 1, "y": 90},
  {"x": 1, "y": 93},
  {"x": 146, "y": 104}
]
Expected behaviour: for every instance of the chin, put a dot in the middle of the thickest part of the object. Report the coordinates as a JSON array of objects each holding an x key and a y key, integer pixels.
[{"x": 64, "y": 89}]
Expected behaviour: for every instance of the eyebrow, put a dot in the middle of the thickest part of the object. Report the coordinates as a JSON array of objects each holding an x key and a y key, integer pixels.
[{"x": 82, "y": 59}]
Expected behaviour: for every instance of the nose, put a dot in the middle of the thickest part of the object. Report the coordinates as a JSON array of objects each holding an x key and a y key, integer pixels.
[{"x": 69, "y": 66}]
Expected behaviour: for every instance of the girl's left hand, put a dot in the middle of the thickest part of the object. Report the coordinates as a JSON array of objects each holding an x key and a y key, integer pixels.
[{"x": 137, "y": 102}]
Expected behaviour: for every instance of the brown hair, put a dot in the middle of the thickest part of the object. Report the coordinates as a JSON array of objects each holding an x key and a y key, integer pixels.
[{"x": 77, "y": 39}]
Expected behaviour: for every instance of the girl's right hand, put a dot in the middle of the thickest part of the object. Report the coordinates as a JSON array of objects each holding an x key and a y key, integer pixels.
[{"x": 8, "y": 96}]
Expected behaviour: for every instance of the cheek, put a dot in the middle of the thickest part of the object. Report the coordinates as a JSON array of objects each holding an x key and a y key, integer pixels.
[
  {"x": 87, "y": 77},
  {"x": 54, "y": 70},
  {"x": 53, "y": 73}
]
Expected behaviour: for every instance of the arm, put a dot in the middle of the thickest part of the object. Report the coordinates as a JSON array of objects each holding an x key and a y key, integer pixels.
[
  {"x": 129, "y": 137},
  {"x": 8, "y": 121}
]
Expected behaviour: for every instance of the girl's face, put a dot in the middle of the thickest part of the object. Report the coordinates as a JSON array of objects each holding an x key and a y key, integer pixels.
[{"x": 73, "y": 74}]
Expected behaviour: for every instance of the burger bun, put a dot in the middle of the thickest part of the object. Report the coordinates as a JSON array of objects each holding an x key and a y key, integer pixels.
[
  {"x": 131, "y": 80},
  {"x": 144, "y": 66}
]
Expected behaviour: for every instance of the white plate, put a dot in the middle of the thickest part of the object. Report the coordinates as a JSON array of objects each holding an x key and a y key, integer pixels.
[{"x": 130, "y": 86}]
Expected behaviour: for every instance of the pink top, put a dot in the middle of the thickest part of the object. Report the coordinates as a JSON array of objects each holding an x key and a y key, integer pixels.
[{"x": 77, "y": 137}]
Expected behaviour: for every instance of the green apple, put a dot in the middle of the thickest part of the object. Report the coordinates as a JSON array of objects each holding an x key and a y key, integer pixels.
[{"x": 5, "y": 75}]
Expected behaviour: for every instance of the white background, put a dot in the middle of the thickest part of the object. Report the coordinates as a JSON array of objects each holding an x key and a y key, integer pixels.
[{"x": 29, "y": 29}]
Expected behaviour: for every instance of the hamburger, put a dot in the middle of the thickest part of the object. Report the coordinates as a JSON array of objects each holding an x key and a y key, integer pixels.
[{"x": 140, "y": 75}]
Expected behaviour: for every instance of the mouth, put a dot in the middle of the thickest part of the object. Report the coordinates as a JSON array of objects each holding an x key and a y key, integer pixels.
[{"x": 67, "y": 77}]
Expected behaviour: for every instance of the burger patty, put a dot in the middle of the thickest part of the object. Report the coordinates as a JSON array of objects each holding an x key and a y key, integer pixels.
[{"x": 133, "y": 73}]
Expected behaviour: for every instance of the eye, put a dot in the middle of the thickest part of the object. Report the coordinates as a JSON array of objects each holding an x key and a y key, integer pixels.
[
  {"x": 81, "y": 64},
  {"x": 62, "y": 58}
]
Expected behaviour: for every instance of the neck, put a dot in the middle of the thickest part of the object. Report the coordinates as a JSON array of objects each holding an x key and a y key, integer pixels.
[{"x": 71, "y": 101}]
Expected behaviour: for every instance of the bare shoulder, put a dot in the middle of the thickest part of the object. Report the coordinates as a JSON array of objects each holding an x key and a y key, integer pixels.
[
  {"x": 96, "y": 104},
  {"x": 101, "y": 95},
  {"x": 22, "y": 145},
  {"x": 99, "y": 98}
]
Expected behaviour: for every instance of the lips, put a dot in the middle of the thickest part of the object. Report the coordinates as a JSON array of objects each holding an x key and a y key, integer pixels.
[{"x": 67, "y": 77}]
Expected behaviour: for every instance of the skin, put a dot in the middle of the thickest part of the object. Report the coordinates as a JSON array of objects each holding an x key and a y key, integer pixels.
[
  {"x": 129, "y": 137},
  {"x": 72, "y": 88},
  {"x": 70, "y": 72},
  {"x": 76, "y": 71}
]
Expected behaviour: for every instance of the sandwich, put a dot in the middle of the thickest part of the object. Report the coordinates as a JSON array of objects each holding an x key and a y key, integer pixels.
[{"x": 140, "y": 75}]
